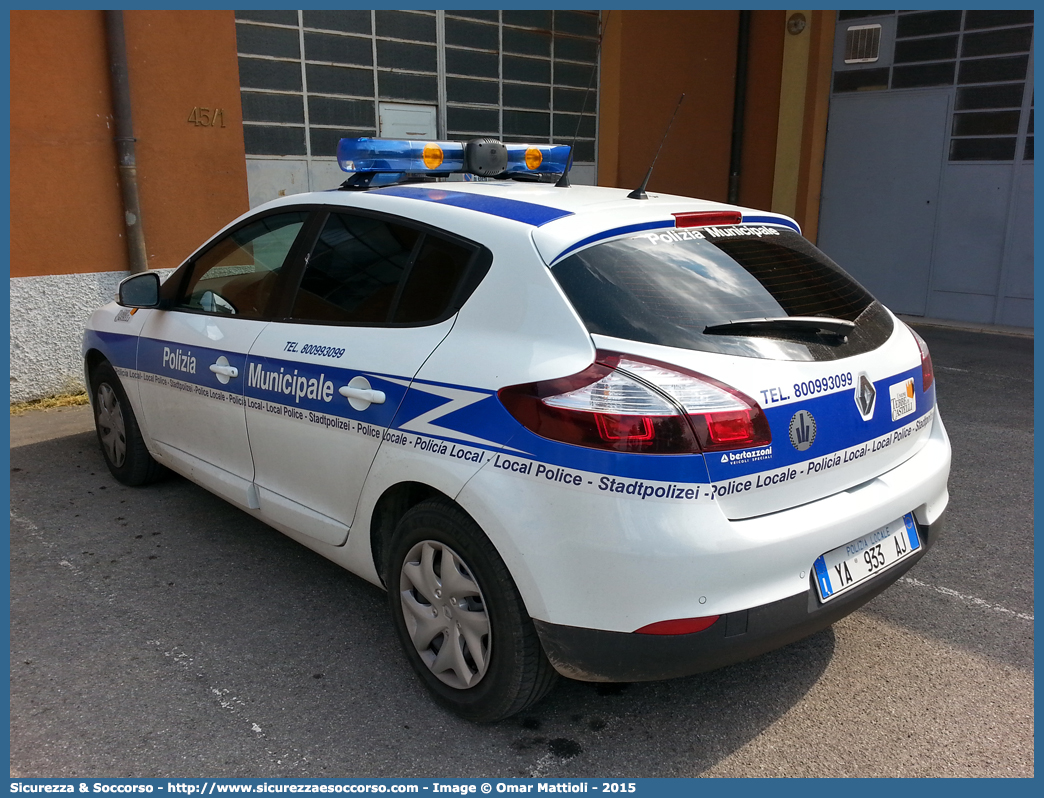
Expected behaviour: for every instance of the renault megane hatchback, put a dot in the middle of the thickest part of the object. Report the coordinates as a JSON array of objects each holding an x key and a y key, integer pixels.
[{"x": 569, "y": 430}]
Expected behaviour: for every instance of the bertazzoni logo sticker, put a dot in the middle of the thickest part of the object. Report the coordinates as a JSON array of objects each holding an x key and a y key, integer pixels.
[
  {"x": 747, "y": 455},
  {"x": 802, "y": 430}
]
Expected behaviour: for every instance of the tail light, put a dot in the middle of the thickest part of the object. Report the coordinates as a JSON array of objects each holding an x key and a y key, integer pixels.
[
  {"x": 626, "y": 404},
  {"x": 927, "y": 372}
]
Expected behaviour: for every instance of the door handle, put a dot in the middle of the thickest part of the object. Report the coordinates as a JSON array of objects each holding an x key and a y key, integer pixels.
[
  {"x": 224, "y": 371},
  {"x": 361, "y": 394}
]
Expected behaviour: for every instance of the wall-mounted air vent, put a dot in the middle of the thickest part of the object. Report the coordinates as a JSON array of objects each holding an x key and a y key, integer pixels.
[{"x": 862, "y": 44}]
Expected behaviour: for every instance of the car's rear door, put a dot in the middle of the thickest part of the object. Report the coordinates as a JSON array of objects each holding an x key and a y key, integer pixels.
[
  {"x": 377, "y": 296},
  {"x": 193, "y": 352}
]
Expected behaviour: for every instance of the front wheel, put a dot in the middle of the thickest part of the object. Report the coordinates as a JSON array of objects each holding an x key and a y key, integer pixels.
[
  {"x": 460, "y": 618},
  {"x": 118, "y": 435}
]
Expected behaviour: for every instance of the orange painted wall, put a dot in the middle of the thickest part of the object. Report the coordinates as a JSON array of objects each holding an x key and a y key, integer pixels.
[
  {"x": 648, "y": 59},
  {"x": 659, "y": 55},
  {"x": 65, "y": 201},
  {"x": 764, "y": 74},
  {"x": 66, "y": 213},
  {"x": 191, "y": 179}
]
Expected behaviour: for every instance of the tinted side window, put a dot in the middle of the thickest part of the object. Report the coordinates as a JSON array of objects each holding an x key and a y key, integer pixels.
[
  {"x": 432, "y": 280},
  {"x": 241, "y": 273},
  {"x": 366, "y": 270},
  {"x": 354, "y": 270}
]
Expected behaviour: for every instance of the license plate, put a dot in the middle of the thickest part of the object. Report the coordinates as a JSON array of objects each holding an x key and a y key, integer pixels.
[{"x": 855, "y": 562}]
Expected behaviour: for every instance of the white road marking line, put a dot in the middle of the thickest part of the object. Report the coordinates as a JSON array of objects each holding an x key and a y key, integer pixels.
[
  {"x": 176, "y": 654},
  {"x": 973, "y": 601},
  {"x": 225, "y": 700},
  {"x": 33, "y": 528},
  {"x": 37, "y": 533}
]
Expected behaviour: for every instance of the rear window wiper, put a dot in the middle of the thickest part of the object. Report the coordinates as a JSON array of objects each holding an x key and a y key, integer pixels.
[{"x": 784, "y": 324}]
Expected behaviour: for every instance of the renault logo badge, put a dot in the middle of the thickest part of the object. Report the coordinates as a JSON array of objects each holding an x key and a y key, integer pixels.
[{"x": 865, "y": 397}]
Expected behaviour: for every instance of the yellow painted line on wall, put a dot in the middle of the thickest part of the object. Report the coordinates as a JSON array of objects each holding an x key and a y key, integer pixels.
[{"x": 791, "y": 117}]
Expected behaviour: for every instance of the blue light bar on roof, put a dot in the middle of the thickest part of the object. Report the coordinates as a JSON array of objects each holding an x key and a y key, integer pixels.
[
  {"x": 545, "y": 159},
  {"x": 410, "y": 157},
  {"x": 440, "y": 158}
]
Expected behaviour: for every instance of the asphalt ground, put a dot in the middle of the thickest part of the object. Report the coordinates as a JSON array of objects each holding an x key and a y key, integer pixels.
[{"x": 160, "y": 632}]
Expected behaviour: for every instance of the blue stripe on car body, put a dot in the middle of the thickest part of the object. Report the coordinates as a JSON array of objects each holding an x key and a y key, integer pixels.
[
  {"x": 526, "y": 212},
  {"x": 772, "y": 220},
  {"x": 839, "y": 425},
  {"x": 151, "y": 360},
  {"x": 120, "y": 349},
  {"x": 612, "y": 233}
]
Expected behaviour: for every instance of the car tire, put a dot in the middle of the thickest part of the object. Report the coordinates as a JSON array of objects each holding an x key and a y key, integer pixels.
[
  {"x": 460, "y": 618},
  {"x": 120, "y": 439}
]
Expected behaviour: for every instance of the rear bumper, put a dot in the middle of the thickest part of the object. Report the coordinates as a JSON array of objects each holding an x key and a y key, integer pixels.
[{"x": 594, "y": 655}]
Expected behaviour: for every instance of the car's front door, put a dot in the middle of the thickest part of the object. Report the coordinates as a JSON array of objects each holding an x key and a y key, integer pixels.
[
  {"x": 193, "y": 353},
  {"x": 323, "y": 384}
]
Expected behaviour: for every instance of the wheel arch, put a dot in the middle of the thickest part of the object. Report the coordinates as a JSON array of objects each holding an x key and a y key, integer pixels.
[
  {"x": 91, "y": 360},
  {"x": 134, "y": 465},
  {"x": 394, "y": 503},
  {"x": 507, "y": 682}
]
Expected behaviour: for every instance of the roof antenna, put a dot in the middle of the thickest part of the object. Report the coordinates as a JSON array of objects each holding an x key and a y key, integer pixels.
[
  {"x": 563, "y": 181},
  {"x": 639, "y": 193}
]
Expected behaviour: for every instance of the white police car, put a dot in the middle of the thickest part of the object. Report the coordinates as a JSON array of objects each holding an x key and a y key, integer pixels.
[{"x": 571, "y": 431}]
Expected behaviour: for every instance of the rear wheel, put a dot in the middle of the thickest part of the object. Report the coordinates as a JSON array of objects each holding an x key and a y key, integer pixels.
[
  {"x": 460, "y": 618},
  {"x": 118, "y": 435}
]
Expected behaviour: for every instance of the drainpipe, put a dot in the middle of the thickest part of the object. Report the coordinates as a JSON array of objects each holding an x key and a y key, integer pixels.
[
  {"x": 125, "y": 141},
  {"x": 739, "y": 106}
]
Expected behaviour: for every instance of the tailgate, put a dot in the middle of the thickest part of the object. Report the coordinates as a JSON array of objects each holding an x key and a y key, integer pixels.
[{"x": 835, "y": 424}]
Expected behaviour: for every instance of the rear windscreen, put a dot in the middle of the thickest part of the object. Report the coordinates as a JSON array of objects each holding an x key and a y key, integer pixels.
[{"x": 667, "y": 287}]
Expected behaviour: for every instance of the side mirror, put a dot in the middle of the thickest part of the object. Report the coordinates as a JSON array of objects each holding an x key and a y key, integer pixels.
[{"x": 140, "y": 291}]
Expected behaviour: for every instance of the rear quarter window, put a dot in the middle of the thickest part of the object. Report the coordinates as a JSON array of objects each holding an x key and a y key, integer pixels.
[
  {"x": 367, "y": 269},
  {"x": 667, "y": 287}
]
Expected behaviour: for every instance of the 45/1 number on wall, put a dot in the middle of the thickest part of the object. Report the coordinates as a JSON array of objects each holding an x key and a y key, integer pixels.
[{"x": 207, "y": 117}]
